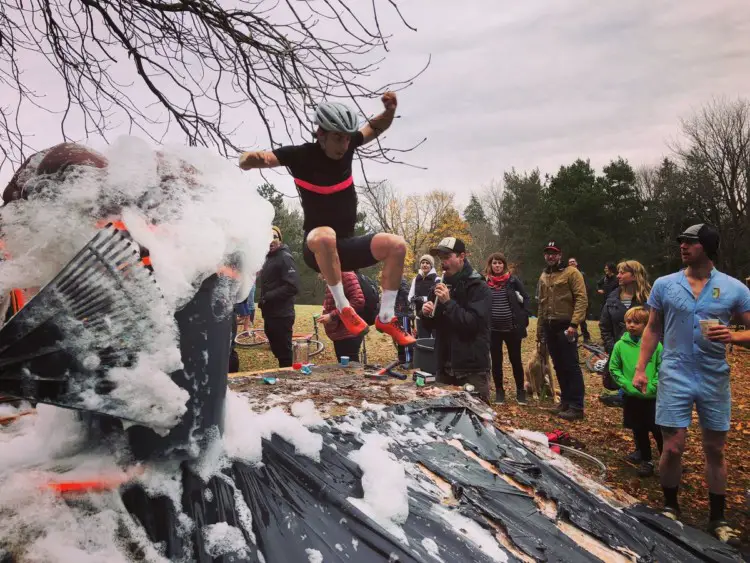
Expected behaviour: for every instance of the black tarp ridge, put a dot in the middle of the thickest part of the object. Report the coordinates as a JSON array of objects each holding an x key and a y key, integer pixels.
[{"x": 300, "y": 510}]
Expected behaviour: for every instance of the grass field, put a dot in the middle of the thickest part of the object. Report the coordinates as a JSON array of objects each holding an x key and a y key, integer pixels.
[{"x": 601, "y": 431}]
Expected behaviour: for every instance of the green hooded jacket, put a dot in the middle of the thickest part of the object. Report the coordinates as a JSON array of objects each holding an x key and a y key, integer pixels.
[{"x": 622, "y": 364}]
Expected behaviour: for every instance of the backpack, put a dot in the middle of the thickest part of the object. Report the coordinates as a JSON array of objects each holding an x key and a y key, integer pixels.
[{"x": 371, "y": 291}]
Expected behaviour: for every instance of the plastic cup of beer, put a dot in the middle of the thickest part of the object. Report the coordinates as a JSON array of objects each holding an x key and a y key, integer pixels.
[{"x": 706, "y": 323}]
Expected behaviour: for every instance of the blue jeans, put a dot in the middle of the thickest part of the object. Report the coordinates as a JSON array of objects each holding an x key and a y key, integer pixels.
[{"x": 564, "y": 356}]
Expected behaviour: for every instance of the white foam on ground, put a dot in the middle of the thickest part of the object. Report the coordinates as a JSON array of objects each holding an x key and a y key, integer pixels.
[
  {"x": 473, "y": 532},
  {"x": 307, "y": 413},
  {"x": 314, "y": 556},
  {"x": 223, "y": 539},
  {"x": 386, "y": 498},
  {"x": 241, "y": 440},
  {"x": 276, "y": 421},
  {"x": 432, "y": 548}
]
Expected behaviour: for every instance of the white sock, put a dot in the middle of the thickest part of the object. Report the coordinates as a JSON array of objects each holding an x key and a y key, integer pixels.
[
  {"x": 388, "y": 305},
  {"x": 338, "y": 295}
]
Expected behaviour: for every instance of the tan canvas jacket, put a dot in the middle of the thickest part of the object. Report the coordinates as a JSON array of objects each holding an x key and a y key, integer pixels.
[{"x": 562, "y": 296}]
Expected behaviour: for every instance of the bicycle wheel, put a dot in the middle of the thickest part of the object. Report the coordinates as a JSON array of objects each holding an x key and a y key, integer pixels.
[
  {"x": 315, "y": 347},
  {"x": 251, "y": 338}
]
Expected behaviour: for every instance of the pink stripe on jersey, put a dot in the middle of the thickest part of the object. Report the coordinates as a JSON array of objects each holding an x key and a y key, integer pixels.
[{"x": 325, "y": 190}]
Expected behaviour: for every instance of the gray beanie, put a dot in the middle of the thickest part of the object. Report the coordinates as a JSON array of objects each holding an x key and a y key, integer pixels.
[{"x": 429, "y": 258}]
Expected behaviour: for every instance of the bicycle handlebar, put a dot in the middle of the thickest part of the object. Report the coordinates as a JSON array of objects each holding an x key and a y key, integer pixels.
[{"x": 594, "y": 349}]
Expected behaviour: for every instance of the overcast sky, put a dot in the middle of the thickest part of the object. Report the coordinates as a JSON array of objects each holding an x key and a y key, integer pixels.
[{"x": 540, "y": 83}]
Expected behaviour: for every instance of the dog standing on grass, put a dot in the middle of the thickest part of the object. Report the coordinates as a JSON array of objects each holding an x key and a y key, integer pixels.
[{"x": 539, "y": 380}]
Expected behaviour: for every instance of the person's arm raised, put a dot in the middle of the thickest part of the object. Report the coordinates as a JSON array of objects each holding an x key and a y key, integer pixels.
[
  {"x": 258, "y": 159},
  {"x": 375, "y": 126}
]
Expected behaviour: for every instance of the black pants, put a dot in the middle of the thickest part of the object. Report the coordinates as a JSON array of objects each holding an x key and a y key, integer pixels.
[
  {"x": 643, "y": 443},
  {"x": 512, "y": 341},
  {"x": 422, "y": 332},
  {"x": 405, "y": 353},
  {"x": 234, "y": 359},
  {"x": 279, "y": 333},
  {"x": 480, "y": 379},
  {"x": 348, "y": 347},
  {"x": 585, "y": 330},
  {"x": 564, "y": 356}
]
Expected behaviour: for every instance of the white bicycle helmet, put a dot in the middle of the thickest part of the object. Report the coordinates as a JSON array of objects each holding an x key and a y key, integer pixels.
[
  {"x": 333, "y": 116},
  {"x": 599, "y": 365}
]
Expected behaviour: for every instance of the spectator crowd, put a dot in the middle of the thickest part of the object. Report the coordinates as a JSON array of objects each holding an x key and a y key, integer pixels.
[{"x": 664, "y": 344}]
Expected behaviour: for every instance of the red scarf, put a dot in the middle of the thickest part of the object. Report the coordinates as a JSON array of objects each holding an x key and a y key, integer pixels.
[{"x": 498, "y": 282}]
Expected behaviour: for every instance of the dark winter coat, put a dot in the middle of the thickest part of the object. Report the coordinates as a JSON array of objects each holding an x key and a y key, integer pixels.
[
  {"x": 462, "y": 325},
  {"x": 420, "y": 288},
  {"x": 608, "y": 284},
  {"x": 520, "y": 310},
  {"x": 279, "y": 283},
  {"x": 402, "y": 307},
  {"x": 612, "y": 321}
]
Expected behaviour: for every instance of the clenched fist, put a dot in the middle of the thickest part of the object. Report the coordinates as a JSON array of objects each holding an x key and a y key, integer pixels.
[{"x": 389, "y": 100}]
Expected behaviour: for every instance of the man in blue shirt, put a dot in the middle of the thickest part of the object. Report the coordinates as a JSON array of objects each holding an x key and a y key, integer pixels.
[{"x": 692, "y": 309}]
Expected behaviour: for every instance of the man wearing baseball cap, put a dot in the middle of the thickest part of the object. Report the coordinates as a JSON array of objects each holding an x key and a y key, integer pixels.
[
  {"x": 692, "y": 309},
  {"x": 458, "y": 310},
  {"x": 562, "y": 308}
]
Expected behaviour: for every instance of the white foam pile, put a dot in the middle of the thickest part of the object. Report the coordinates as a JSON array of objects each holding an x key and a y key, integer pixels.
[
  {"x": 384, "y": 483},
  {"x": 223, "y": 539},
  {"x": 187, "y": 205},
  {"x": 34, "y": 521},
  {"x": 191, "y": 209}
]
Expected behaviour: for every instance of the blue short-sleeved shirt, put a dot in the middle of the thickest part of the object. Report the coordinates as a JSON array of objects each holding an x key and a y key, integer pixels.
[{"x": 685, "y": 349}]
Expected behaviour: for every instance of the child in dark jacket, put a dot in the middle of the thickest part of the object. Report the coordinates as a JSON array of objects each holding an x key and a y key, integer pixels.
[{"x": 639, "y": 409}]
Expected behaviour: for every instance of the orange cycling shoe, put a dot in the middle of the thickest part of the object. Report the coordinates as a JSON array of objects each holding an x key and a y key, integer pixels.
[
  {"x": 395, "y": 331},
  {"x": 352, "y": 321}
]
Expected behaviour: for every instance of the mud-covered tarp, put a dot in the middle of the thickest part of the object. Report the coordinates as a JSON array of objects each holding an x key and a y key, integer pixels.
[{"x": 475, "y": 494}]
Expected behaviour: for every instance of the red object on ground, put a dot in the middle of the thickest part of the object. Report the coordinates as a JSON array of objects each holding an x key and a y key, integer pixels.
[{"x": 297, "y": 365}]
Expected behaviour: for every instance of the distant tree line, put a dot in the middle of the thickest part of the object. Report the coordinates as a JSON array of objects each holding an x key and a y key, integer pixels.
[{"x": 627, "y": 213}]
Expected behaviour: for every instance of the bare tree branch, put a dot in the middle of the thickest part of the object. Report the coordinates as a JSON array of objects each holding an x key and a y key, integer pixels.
[{"x": 202, "y": 64}]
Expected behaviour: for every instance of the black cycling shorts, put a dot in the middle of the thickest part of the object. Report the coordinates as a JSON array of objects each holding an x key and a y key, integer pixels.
[{"x": 354, "y": 253}]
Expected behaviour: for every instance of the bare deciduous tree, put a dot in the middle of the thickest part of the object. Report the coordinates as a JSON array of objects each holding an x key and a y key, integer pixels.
[
  {"x": 716, "y": 159},
  {"x": 199, "y": 64},
  {"x": 415, "y": 217}
]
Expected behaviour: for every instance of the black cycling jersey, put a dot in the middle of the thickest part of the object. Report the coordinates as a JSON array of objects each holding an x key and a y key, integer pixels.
[{"x": 325, "y": 185}]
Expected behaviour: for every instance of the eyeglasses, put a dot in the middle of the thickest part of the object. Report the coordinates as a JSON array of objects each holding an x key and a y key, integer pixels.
[{"x": 276, "y": 237}]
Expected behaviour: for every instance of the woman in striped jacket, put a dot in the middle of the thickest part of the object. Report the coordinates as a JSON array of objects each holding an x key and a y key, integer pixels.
[
  {"x": 344, "y": 342},
  {"x": 510, "y": 318}
]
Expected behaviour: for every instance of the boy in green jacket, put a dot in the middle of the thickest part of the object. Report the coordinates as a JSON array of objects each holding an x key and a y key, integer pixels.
[{"x": 639, "y": 409}]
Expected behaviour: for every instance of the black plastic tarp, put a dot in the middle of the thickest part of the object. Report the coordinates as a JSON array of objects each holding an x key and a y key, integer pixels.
[{"x": 298, "y": 504}]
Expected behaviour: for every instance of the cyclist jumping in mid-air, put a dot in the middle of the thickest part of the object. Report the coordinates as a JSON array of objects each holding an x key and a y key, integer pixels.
[{"x": 322, "y": 172}]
